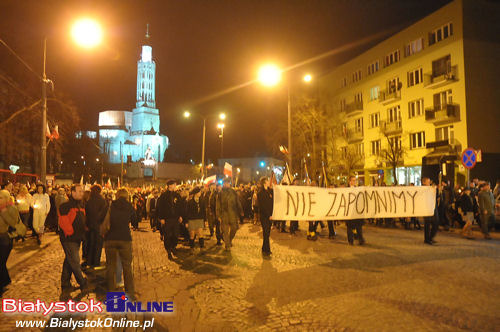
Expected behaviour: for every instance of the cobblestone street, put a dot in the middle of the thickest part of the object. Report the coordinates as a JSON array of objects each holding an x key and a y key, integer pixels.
[{"x": 393, "y": 283}]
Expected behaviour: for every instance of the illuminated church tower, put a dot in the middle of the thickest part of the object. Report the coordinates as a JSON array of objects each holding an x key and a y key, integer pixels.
[{"x": 137, "y": 133}]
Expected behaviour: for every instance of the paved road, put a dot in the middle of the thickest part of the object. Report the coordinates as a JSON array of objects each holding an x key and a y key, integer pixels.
[{"x": 394, "y": 283}]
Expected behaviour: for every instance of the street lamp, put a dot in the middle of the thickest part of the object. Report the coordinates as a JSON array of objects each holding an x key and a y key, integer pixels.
[
  {"x": 221, "y": 127},
  {"x": 270, "y": 75},
  {"x": 86, "y": 33},
  {"x": 187, "y": 114}
]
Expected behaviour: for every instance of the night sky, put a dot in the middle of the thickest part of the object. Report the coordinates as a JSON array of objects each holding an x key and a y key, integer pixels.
[{"x": 200, "y": 48}]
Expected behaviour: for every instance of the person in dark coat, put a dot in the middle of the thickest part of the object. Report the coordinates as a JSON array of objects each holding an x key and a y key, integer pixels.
[
  {"x": 118, "y": 242},
  {"x": 170, "y": 217},
  {"x": 354, "y": 224},
  {"x": 265, "y": 198},
  {"x": 72, "y": 226},
  {"x": 95, "y": 210},
  {"x": 196, "y": 216}
]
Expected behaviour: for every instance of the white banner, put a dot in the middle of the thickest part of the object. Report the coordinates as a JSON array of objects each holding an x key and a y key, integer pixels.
[{"x": 314, "y": 203}]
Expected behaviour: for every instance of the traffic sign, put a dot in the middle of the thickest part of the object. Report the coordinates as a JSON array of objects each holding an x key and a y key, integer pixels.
[{"x": 469, "y": 158}]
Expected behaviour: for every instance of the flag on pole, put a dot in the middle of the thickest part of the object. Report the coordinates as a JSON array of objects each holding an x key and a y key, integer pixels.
[
  {"x": 47, "y": 131},
  {"x": 210, "y": 179},
  {"x": 272, "y": 179},
  {"x": 55, "y": 133},
  {"x": 284, "y": 150},
  {"x": 119, "y": 185},
  {"x": 228, "y": 170},
  {"x": 287, "y": 176},
  {"x": 308, "y": 180},
  {"x": 324, "y": 182},
  {"x": 81, "y": 180}
]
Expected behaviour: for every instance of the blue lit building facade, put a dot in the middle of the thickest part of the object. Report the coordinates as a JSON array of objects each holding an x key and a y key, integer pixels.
[{"x": 135, "y": 133}]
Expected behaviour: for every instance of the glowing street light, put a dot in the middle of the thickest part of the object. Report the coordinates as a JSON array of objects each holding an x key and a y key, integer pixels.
[
  {"x": 222, "y": 116},
  {"x": 307, "y": 78},
  {"x": 87, "y": 33},
  {"x": 220, "y": 125},
  {"x": 187, "y": 114},
  {"x": 269, "y": 75}
]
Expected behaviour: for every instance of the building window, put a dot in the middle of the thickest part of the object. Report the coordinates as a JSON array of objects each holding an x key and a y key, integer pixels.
[
  {"x": 394, "y": 114},
  {"x": 360, "y": 151},
  {"x": 444, "y": 133},
  {"x": 417, "y": 140},
  {"x": 374, "y": 93},
  {"x": 392, "y": 58},
  {"x": 342, "y": 105},
  {"x": 441, "y": 66},
  {"x": 441, "y": 33},
  {"x": 393, "y": 85},
  {"x": 375, "y": 147},
  {"x": 358, "y": 97},
  {"x": 374, "y": 120},
  {"x": 414, "y": 46},
  {"x": 356, "y": 76},
  {"x": 395, "y": 142},
  {"x": 415, "y": 77},
  {"x": 441, "y": 99},
  {"x": 358, "y": 125},
  {"x": 373, "y": 67},
  {"x": 343, "y": 83},
  {"x": 415, "y": 108}
]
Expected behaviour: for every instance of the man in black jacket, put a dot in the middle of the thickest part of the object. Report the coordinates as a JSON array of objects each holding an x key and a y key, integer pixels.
[
  {"x": 71, "y": 232},
  {"x": 95, "y": 210},
  {"x": 354, "y": 224},
  {"x": 170, "y": 217},
  {"x": 265, "y": 198}
]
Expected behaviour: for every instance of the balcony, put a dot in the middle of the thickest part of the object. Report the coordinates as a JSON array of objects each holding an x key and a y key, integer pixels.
[
  {"x": 443, "y": 114},
  {"x": 389, "y": 96},
  {"x": 354, "y": 135},
  {"x": 354, "y": 107},
  {"x": 433, "y": 81},
  {"x": 391, "y": 128}
]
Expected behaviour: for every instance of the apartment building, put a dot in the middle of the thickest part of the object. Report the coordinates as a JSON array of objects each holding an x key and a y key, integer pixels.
[{"x": 428, "y": 92}]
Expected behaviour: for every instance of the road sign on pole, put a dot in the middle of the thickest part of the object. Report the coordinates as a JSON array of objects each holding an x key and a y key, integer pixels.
[{"x": 469, "y": 158}]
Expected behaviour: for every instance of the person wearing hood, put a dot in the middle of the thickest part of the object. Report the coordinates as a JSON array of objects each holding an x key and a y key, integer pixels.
[{"x": 118, "y": 242}]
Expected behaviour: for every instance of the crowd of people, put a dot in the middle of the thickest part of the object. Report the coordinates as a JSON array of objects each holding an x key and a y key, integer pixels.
[{"x": 96, "y": 218}]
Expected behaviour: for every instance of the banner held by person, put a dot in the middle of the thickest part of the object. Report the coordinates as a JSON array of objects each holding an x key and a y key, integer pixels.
[{"x": 314, "y": 203}]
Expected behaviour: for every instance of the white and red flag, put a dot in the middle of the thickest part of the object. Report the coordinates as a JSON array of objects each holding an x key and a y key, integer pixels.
[
  {"x": 228, "y": 170},
  {"x": 210, "y": 179}
]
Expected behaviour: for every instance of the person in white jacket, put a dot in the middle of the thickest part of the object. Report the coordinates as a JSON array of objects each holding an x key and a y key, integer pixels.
[{"x": 41, "y": 208}]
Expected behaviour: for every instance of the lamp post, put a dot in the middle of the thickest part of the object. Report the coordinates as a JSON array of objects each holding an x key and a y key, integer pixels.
[
  {"x": 87, "y": 33},
  {"x": 187, "y": 114},
  {"x": 221, "y": 127},
  {"x": 269, "y": 75}
]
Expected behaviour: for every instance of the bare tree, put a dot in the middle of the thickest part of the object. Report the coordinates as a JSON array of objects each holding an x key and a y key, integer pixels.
[{"x": 394, "y": 153}]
